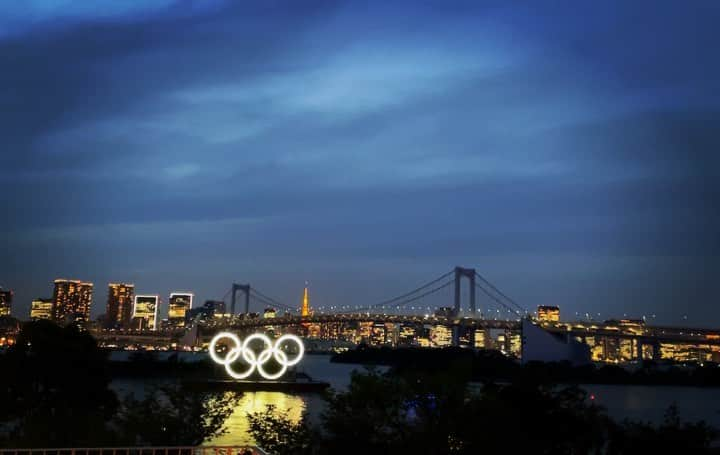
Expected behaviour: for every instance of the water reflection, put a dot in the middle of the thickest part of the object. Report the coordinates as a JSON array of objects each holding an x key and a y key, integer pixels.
[{"x": 237, "y": 424}]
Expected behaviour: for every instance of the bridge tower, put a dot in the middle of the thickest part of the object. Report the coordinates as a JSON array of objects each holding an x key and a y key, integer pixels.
[
  {"x": 244, "y": 288},
  {"x": 461, "y": 272}
]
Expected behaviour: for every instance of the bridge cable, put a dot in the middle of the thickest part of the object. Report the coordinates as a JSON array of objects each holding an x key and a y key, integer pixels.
[
  {"x": 407, "y": 294},
  {"x": 500, "y": 302},
  {"x": 266, "y": 297},
  {"x": 425, "y": 294},
  {"x": 262, "y": 298},
  {"x": 523, "y": 310}
]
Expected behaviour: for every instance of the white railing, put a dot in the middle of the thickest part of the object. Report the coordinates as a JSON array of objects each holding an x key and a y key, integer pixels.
[{"x": 176, "y": 450}]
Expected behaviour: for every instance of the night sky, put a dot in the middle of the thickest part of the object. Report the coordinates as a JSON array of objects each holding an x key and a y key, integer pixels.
[{"x": 568, "y": 150}]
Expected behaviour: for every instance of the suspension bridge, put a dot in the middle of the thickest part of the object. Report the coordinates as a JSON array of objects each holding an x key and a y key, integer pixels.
[
  {"x": 461, "y": 299},
  {"x": 497, "y": 304}
]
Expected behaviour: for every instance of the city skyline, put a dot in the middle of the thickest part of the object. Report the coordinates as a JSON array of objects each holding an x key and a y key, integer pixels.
[
  {"x": 111, "y": 317},
  {"x": 567, "y": 151}
]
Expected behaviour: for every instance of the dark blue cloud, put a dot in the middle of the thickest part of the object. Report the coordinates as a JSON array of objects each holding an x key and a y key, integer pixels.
[{"x": 186, "y": 145}]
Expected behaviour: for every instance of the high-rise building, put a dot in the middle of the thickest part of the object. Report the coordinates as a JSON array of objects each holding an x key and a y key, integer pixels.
[
  {"x": 71, "y": 301},
  {"x": 146, "y": 310},
  {"x": 6, "y": 298},
  {"x": 180, "y": 303},
  {"x": 41, "y": 309},
  {"x": 269, "y": 313},
  {"x": 547, "y": 313},
  {"x": 121, "y": 297}
]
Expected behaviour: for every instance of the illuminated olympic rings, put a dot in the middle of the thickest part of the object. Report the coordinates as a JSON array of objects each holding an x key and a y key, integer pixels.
[{"x": 253, "y": 360}]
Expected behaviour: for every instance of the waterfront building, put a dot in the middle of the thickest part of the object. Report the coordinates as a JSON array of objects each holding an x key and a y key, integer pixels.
[
  {"x": 269, "y": 313},
  {"x": 216, "y": 306},
  {"x": 179, "y": 304},
  {"x": 685, "y": 352},
  {"x": 514, "y": 342},
  {"x": 331, "y": 331},
  {"x": 119, "y": 310},
  {"x": 6, "y": 298},
  {"x": 441, "y": 336},
  {"x": 481, "y": 338},
  {"x": 364, "y": 331},
  {"x": 41, "y": 309},
  {"x": 145, "y": 311},
  {"x": 541, "y": 345},
  {"x": 378, "y": 334},
  {"x": 72, "y": 300},
  {"x": 407, "y": 335},
  {"x": 547, "y": 313},
  {"x": 313, "y": 330},
  {"x": 500, "y": 342}
]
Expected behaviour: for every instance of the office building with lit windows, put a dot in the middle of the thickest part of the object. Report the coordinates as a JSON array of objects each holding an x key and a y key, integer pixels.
[
  {"x": 71, "y": 301},
  {"x": 179, "y": 304},
  {"x": 441, "y": 336},
  {"x": 547, "y": 313},
  {"x": 121, "y": 297},
  {"x": 6, "y": 298},
  {"x": 145, "y": 311},
  {"x": 41, "y": 309}
]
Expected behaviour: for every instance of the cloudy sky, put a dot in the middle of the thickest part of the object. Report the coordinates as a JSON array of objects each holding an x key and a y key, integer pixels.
[{"x": 568, "y": 150}]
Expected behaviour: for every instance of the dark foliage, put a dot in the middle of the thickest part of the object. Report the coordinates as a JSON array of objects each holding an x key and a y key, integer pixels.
[
  {"x": 54, "y": 388},
  {"x": 171, "y": 415},
  {"x": 278, "y": 434},
  {"x": 54, "y": 392},
  {"x": 425, "y": 412}
]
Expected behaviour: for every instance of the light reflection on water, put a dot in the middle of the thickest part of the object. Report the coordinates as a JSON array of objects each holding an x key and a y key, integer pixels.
[
  {"x": 645, "y": 403},
  {"x": 237, "y": 424},
  {"x": 317, "y": 366}
]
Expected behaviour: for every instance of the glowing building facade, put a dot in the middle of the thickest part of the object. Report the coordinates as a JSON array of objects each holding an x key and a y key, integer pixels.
[
  {"x": 441, "y": 336},
  {"x": 547, "y": 313},
  {"x": 481, "y": 339},
  {"x": 41, "y": 309},
  {"x": 145, "y": 311},
  {"x": 179, "y": 305},
  {"x": 118, "y": 313},
  {"x": 6, "y": 297},
  {"x": 72, "y": 300}
]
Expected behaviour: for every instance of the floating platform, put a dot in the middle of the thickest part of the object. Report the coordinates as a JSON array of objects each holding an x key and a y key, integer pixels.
[{"x": 258, "y": 386}]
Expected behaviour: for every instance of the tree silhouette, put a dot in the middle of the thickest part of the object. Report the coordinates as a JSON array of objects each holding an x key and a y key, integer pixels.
[
  {"x": 172, "y": 415},
  {"x": 426, "y": 412},
  {"x": 54, "y": 388}
]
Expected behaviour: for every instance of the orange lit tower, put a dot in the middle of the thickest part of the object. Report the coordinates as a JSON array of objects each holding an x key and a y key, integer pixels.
[{"x": 305, "y": 310}]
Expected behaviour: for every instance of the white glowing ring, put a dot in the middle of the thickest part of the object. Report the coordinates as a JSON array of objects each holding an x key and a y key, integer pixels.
[
  {"x": 294, "y": 339},
  {"x": 232, "y": 355},
  {"x": 243, "y": 349}
]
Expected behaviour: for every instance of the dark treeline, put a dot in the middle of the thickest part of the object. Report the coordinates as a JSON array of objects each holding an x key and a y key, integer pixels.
[
  {"x": 487, "y": 365},
  {"x": 54, "y": 392},
  {"x": 430, "y": 410}
]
